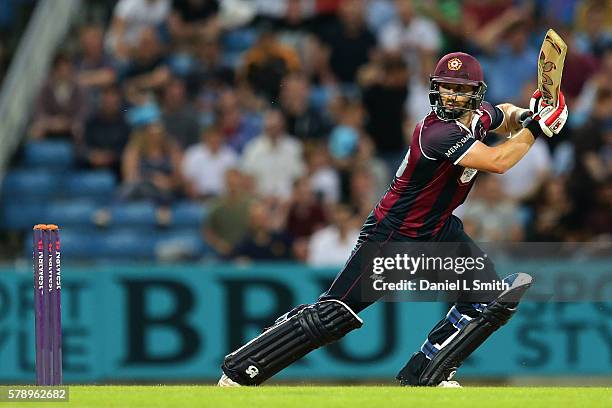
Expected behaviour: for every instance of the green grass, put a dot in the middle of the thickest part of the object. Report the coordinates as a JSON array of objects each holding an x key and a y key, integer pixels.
[{"x": 325, "y": 396}]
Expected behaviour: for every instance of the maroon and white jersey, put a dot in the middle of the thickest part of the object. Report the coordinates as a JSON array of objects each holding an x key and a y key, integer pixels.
[{"x": 429, "y": 183}]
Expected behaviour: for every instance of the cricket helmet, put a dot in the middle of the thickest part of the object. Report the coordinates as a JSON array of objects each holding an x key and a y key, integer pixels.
[{"x": 457, "y": 68}]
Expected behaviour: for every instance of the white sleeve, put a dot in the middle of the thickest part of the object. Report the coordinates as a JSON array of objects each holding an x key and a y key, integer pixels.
[
  {"x": 188, "y": 169},
  {"x": 249, "y": 157},
  {"x": 389, "y": 38},
  {"x": 125, "y": 8},
  {"x": 429, "y": 35}
]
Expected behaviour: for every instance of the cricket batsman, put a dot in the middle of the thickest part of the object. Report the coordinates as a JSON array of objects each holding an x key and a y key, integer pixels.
[{"x": 448, "y": 149}]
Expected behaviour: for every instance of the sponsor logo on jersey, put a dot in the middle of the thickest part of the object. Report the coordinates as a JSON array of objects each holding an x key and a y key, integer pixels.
[{"x": 458, "y": 145}]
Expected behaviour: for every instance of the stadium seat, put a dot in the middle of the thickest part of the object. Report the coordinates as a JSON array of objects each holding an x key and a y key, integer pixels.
[
  {"x": 133, "y": 214},
  {"x": 180, "y": 244},
  {"x": 126, "y": 243},
  {"x": 76, "y": 213},
  {"x": 78, "y": 244},
  {"x": 20, "y": 216},
  {"x": 49, "y": 154},
  {"x": 188, "y": 214},
  {"x": 29, "y": 184},
  {"x": 94, "y": 184}
]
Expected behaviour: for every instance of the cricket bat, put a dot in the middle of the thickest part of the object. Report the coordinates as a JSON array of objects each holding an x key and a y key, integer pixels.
[{"x": 550, "y": 66}]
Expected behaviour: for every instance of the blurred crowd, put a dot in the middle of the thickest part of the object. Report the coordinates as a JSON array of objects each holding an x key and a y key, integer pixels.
[{"x": 288, "y": 118}]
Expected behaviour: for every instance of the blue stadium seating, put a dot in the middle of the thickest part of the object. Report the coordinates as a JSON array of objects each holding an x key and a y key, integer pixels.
[
  {"x": 188, "y": 214},
  {"x": 184, "y": 243},
  {"x": 133, "y": 214},
  {"x": 79, "y": 243},
  {"x": 125, "y": 243},
  {"x": 98, "y": 184},
  {"x": 29, "y": 184},
  {"x": 49, "y": 154},
  {"x": 22, "y": 216},
  {"x": 71, "y": 213}
]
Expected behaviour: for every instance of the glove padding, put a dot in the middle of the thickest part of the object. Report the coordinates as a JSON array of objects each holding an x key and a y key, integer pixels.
[{"x": 550, "y": 118}]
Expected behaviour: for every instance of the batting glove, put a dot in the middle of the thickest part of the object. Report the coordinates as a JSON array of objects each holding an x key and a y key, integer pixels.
[{"x": 550, "y": 119}]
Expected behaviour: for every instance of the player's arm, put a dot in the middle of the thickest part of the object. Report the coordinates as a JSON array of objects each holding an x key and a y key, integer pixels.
[
  {"x": 513, "y": 118},
  {"x": 498, "y": 159}
]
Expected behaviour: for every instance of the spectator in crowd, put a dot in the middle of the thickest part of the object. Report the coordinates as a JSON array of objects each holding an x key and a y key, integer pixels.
[
  {"x": 106, "y": 133},
  {"x": 410, "y": 35},
  {"x": 362, "y": 193},
  {"x": 237, "y": 126},
  {"x": 479, "y": 14},
  {"x": 526, "y": 178},
  {"x": 205, "y": 165},
  {"x": 417, "y": 103},
  {"x": 332, "y": 245},
  {"x": 553, "y": 211},
  {"x": 303, "y": 121},
  {"x": 130, "y": 19},
  {"x": 366, "y": 157},
  {"x": 94, "y": 67},
  {"x": 577, "y": 69},
  {"x": 592, "y": 150},
  {"x": 147, "y": 69},
  {"x": 292, "y": 20},
  {"x": 513, "y": 57},
  {"x": 344, "y": 137},
  {"x": 267, "y": 63},
  {"x": 324, "y": 178},
  {"x": 178, "y": 116},
  {"x": 600, "y": 82},
  {"x": 384, "y": 87},
  {"x": 345, "y": 44},
  {"x": 306, "y": 213},
  {"x": 448, "y": 18},
  {"x": 262, "y": 242},
  {"x": 151, "y": 166},
  {"x": 209, "y": 70},
  {"x": 227, "y": 220},
  {"x": 599, "y": 219},
  {"x": 274, "y": 158},
  {"x": 188, "y": 18},
  {"x": 61, "y": 106},
  {"x": 593, "y": 23},
  {"x": 490, "y": 215}
]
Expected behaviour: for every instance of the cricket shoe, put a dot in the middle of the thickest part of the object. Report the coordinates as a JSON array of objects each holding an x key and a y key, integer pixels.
[
  {"x": 225, "y": 381},
  {"x": 449, "y": 384}
]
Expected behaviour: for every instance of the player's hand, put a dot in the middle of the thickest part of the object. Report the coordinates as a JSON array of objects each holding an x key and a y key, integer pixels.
[{"x": 550, "y": 118}]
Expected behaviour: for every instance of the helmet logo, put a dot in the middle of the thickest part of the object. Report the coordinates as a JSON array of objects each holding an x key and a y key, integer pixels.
[{"x": 454, "y": 64}]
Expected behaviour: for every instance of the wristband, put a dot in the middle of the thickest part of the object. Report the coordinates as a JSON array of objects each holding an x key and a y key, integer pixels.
[{"x": 533, "y": 126}]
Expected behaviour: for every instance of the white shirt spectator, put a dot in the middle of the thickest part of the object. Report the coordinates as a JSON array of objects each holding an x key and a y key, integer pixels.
[
  {"x": 526, "y": 177},
  {"x": 492, "y": 223},
  {"x": 326, "y": 181},
  {"x": 419, "y": 35},
  {"x": 417, "y": 104},
  {"x": 137, "y": 15},
  {"x": 325, "y": 247},
  {"x": 275, "y": 166},
  {"x": 206, "y": 170}
]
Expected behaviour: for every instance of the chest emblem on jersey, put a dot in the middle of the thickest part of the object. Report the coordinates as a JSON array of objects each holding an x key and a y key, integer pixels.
[{"x": 467, "y": 175}]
